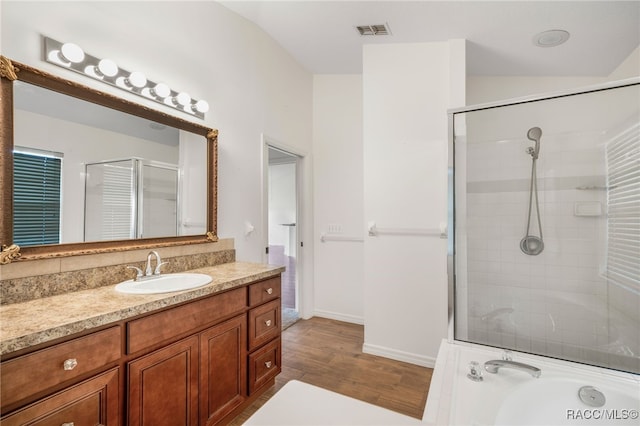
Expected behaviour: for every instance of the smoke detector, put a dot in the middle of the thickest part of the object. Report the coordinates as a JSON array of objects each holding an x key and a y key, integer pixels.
[
  {"x": 374, "y": 30},
  {"x": 550, "y": 38}
]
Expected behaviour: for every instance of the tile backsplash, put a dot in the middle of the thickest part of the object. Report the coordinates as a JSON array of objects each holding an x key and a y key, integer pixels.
[{"x": 23, "y": 281}]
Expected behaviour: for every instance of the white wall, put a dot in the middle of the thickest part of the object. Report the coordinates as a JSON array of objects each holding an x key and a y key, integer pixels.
[
  {"x": 338, "y": 186},
  {"x": 630, "y": 67},
  {"x": 251, "y": 83},
  {"x": 380, "y": 153},
  {"x": 406, "y": 90},
  {"x": 481, "y": 89}
]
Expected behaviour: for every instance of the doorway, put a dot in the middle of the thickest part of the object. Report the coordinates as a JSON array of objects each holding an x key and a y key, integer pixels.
[{"x": 283, "y": 225}]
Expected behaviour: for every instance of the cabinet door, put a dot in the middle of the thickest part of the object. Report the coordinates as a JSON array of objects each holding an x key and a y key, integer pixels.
[
  {"x": 222, "y": 370},
  {"x": 89, "y": 403},
  {"x": 163, "y": 386}
]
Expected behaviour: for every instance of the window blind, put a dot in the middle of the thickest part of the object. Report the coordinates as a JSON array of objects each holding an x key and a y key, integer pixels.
[
  {"x": 36, "y": 199},
  {"x": 623, "y": 208},
  {"x": 117, "y": 208}
]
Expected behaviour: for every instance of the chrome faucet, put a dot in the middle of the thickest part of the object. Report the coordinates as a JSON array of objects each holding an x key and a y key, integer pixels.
[
  {"x": 148, "y": 273},
  {"x": 159, "y": 263},
  {"x": 496, "y": 364}
]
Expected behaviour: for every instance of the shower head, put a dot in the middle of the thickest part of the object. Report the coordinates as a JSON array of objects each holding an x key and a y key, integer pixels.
[{"x": 534, "y": 134}]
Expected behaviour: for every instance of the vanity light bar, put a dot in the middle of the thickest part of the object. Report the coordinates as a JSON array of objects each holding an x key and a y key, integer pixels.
[{"x": 71, "y": 56}]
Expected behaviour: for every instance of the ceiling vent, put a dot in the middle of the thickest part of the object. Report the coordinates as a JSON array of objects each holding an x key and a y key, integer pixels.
[{"x": 375, "y": 30}]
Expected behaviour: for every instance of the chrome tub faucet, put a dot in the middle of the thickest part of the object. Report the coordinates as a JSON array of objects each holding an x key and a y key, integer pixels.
[{"x": 494, "y": 365}]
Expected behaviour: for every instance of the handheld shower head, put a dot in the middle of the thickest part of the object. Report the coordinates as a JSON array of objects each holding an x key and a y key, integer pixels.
[{"x": 534, "y": 134}]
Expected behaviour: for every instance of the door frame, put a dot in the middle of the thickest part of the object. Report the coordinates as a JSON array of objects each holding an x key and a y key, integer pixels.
[{"x": 268, "y": 142}]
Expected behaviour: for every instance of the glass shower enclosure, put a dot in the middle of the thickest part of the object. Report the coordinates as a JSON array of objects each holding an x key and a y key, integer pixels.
[
  {"x": 546, "y": 240},
  {"x": 130, "y": 198}
]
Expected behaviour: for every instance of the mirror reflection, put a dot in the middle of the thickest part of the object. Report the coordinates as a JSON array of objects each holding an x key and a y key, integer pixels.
[{"x": 83, "y": 172}]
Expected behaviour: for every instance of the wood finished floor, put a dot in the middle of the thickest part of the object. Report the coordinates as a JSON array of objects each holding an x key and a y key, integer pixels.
[{"x": 328, "y": 354}]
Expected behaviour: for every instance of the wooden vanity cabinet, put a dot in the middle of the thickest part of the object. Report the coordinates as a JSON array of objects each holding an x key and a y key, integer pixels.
[
  {"x": 48, "y": 368},
  {"x": 199, "y": 363},
  {"x": 163, "y": 386},
  {"x": 232, "y": 343},
  {"x": 223, "y": 375},
  {"x": 89, "y": 403},
  {"x": 59, "y": 374},
  {"x": 264, "y": 359},
  {"x": 197, "y": 380}
]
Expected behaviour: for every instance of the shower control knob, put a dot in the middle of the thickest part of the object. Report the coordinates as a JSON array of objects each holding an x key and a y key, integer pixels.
[{"x": 475, "y": 372}]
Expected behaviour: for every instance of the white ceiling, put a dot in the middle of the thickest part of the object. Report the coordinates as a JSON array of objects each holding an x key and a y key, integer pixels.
[{"x": 321, "y": 34}]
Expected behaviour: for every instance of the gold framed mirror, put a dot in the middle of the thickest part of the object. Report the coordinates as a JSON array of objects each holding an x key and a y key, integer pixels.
[{"x": 12, "y": 76}]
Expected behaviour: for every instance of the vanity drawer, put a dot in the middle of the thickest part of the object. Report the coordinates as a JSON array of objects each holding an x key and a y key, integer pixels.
[
  {"x": 92, "y": 402},
  {"x": 46, "y": 368},
  {"x": 264, "y": 291},
  {"x": 264, "y": 365},
  {"x": 167, "y": 325},
  {"x": 264, "y": 323}
]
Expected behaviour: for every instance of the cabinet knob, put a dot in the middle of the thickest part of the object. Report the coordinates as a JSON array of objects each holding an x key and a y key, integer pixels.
[
  {"x": 67, "y": 424},
  {"x": 269, "y": 290},
  {"x": 267, "y": 364},
  {"x": 68, "y": 365},
  {"x": 267, "y": 323}
]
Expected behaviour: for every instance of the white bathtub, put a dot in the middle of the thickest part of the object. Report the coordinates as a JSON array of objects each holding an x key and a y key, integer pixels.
[{"x": 513, "y": 397}]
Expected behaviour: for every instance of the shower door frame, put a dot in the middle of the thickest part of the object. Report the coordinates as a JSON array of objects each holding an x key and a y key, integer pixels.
[
  {"x": 137, "y": 193},
  {"x": 451, "y": 248}
]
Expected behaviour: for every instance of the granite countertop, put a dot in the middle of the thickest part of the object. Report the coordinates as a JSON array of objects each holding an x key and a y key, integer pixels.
[{"x": 42, "y": 320}]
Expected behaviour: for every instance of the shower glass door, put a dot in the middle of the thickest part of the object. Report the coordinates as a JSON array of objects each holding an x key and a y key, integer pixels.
[
  {"x": 159, "y": 213},
  {"x": 571, "y": 290},
  {"x": 130, "y": 198}
]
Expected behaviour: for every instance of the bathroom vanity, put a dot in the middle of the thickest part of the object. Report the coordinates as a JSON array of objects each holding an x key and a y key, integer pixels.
[{"x": 195, "y": 357}]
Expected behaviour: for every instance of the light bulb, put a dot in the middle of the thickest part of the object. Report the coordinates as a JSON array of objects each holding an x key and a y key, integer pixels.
[
  {"x": 136, "y": 79},
  {"x": 107, "y": 67},
  {"x": 201, "y": 106},
  {"x": 72, "y": 53},
  {"x": 161, "y": 90},
  {"x": 56, "y": 57},
  {"x": 183, "y": 99}
]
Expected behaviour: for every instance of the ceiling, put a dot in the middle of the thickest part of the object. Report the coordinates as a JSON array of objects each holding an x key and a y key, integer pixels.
[{"x": 321, "y": 34}]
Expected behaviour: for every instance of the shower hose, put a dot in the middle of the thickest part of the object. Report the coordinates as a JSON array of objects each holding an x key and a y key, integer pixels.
[{"x": 531, "y": 244}]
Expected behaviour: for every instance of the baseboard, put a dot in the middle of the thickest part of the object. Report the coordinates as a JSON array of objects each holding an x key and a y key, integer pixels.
[
  {"x": 424, "y": 361},
  {"x": 338, "y": 316}
]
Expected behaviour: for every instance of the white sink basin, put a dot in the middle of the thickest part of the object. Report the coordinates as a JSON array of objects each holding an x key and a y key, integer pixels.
[{"x": 164, "y": 283}]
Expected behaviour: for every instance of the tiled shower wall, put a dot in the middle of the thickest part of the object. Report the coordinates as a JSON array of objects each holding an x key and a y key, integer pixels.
[
  {"x": 558, "y": 303},
  {"x": 535, "y": 303}
]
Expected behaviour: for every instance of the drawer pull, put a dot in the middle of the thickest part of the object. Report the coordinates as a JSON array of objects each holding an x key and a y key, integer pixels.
[
  {"x": 267, "y": 323},
  {"x": 267, "y": 364},
  {"x": 269, "y": 290},
  {"x": 69, "y": 365},
  {"x": 67, "y": 424}
]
